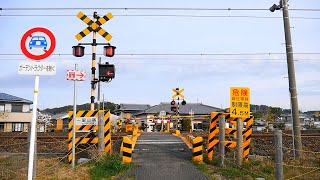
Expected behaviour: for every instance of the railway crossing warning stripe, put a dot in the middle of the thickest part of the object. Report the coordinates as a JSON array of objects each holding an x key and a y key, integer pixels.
[
  {"x": 126, "y": 149},
  {"x": 92, "y": 139},
  {"x": 247, "y": 137},
  {"x": 94, "y": 26},
  {"x": 197, "y": 148}
]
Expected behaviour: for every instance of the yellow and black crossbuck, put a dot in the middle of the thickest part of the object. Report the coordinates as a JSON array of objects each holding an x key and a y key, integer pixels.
[{"x": 94, "y": 26}]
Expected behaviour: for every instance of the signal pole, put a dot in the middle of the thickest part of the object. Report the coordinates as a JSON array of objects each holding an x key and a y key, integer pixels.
[{"x": 93, "y": 68}]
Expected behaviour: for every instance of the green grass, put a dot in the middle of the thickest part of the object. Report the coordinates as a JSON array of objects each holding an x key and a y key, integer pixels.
[{"x": 109, "y": 166}]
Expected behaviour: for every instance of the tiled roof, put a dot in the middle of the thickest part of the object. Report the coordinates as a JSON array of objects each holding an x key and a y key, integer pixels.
[
  {"x": 10, "y": 98},
  {"x": 133, "y": 107},
  {"x": 197, "y": 108}
]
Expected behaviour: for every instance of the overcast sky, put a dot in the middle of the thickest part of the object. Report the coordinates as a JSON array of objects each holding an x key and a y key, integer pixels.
[{"x": 149, "y": 79}]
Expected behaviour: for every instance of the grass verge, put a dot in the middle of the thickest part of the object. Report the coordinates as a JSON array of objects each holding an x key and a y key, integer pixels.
[{"x": 108, "y": 166}]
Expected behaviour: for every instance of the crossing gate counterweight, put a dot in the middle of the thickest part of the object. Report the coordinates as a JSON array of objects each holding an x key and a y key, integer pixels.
[{"x": 87, "y": 121}]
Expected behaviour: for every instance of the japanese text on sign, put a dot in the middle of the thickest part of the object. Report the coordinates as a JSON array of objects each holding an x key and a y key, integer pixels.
[
  {"x": 37, "y": 68},
  {"x": 239, "y": 102},
  {"x": 87, "y": 121}
]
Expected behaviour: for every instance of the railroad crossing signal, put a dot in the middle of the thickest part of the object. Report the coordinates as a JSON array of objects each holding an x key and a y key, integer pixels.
[
  {"x": 178, "y": 93},
  {"x": 94, "y": 26}
]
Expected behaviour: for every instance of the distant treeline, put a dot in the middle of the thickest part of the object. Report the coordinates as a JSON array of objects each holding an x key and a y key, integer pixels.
[{"x": 107, "y": 106}]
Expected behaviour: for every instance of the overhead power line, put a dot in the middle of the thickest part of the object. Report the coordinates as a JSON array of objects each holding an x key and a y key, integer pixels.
[
  {"x": 153, "y": 9},
  {"x": 178, "y": 54},
  {"x": 157, "y": 15}
]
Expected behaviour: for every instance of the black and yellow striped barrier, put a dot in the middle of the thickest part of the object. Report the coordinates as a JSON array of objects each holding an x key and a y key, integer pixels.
[
  {"x": 247, "y": 137},
  {"x": 92, "y": 139},
  {"x": 197, "y": 148},
  {"x": 126, "y": 148}
]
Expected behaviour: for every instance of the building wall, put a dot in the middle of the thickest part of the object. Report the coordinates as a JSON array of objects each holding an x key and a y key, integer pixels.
[{"x": 18, "y": 117}]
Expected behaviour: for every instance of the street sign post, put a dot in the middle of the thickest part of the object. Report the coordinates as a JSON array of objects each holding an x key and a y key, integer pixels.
[
  {"x": 76, "y": 75},
  {"x": 240, "y": 102},
  {"x": 36, "y": 44}
]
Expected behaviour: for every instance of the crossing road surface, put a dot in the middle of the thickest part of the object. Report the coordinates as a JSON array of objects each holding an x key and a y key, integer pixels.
[{"x": 163, "y": 156}]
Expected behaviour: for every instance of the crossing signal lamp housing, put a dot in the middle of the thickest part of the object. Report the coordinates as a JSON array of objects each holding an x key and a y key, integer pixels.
[
  {"x": 78, "y": 51},
  {"x": 183, "y": 102},
  {"x": 173, "y": 109},
  {"x": 173, "y": 103},
  {"x": 109, "y": 50},
  {"x": 106, "y": 72}
]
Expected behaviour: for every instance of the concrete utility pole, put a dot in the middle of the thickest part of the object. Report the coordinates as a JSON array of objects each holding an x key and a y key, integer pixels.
[{"x": 292, "y": 82}]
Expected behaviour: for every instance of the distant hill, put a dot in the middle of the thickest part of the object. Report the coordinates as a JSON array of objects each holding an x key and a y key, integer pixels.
[{"x": 107, "y": 106}]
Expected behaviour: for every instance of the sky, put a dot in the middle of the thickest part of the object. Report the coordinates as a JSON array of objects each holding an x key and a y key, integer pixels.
[{"x": 146, "y": 79}]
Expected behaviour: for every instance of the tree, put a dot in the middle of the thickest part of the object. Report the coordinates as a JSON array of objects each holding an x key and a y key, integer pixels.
[
  {"x": 185, "y": 123},
  {"x": 257, "y": 115}
]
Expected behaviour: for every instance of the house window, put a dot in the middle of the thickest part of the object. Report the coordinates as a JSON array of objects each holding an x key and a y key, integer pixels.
[
  {"x": 2, "y": 109},
  {"x": 16, "y": 108},
  {"x": 17, "y": 127},
  {"x": 1, "y": 127}
]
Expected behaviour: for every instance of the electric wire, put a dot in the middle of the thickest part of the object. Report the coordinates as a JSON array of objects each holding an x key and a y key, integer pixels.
[
  {"x": 178, "y": 54},
  {"x": 154, "y": 9},
  {"x": 160, "y": 15}
]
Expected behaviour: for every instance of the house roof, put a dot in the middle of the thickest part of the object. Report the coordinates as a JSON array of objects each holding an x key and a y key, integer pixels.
[
  {"x": 197, "y": 108},
  {"x": 4, "y": 97},
  {"x": 132, "y": 107},
  {"x": 60, "y": 116}
]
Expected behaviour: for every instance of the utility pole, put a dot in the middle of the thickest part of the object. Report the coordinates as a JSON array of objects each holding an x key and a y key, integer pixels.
[
  {"x": 292, "y": 82},
  {"x": 292, "y": 79}
]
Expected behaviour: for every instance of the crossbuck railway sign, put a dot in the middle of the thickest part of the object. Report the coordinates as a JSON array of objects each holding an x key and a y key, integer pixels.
[
  {"x": 178, "y": 93},
  {"x": 94, "y": 26}
]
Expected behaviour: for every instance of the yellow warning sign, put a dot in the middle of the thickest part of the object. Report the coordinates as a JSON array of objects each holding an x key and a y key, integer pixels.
[{"x": 240, "y": 102}]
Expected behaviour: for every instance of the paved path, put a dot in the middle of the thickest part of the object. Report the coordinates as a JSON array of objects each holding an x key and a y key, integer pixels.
[{"x": 163, "y": 156}]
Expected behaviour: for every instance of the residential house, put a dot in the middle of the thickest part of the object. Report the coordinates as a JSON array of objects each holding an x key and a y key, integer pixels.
[
  {"x": 148, "y": 116},
  {"x": 59, "y": 122},
  {"x": 15, "y": 114},
  {"x": 126, "y": 111}
]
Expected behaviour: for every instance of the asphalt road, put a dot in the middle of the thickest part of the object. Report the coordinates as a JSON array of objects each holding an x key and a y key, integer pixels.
[{"x": 163, "y": 156}]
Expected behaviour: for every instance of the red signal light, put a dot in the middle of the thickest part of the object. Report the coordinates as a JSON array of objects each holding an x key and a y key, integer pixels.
[{"x": 173, "y": 103}]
